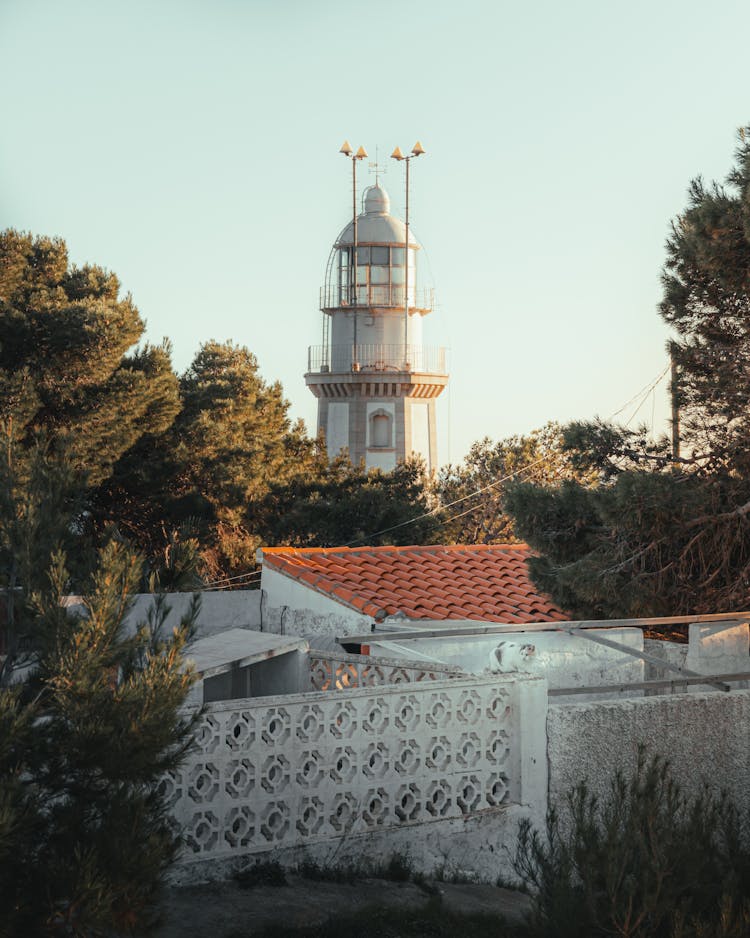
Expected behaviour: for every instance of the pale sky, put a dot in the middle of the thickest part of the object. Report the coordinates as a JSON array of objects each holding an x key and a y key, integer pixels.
[{"x": 192, "y": 148}]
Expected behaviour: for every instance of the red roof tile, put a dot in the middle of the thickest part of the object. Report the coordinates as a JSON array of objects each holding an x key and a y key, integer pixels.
[{"x": 488, "y": 582}]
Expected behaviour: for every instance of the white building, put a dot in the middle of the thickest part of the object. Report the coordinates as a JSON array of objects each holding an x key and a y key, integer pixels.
[{"x": 375, "y": 380}]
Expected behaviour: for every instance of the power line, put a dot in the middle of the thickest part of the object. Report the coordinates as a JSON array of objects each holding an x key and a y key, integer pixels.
[
  {"x": 643, "y": 393},
  {"x": 651, "y": 384},
  {"x": 229, "y": 579}
]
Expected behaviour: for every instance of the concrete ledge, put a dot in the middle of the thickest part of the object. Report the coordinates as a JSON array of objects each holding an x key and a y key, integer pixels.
[{"x": 705, "y": 737}]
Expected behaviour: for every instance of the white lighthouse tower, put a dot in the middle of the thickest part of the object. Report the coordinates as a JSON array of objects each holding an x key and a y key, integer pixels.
[{"x": 375, "y": 381}]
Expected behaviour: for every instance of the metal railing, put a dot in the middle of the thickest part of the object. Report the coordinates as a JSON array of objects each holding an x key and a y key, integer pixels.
[
  {"x": 376, "y": 358},
  {"x": 388, "y": 295},
  {"x": 674, "y": 685}
]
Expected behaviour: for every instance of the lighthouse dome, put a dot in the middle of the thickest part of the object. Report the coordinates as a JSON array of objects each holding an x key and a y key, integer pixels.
[
  {"x": 375, "y": 224},
  {"x": 376, "y": 201}
]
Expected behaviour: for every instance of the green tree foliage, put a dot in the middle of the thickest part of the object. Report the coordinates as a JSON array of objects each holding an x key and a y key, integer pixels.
[
  {"x": 67, "y": 359},
  {"x": 656, "y": 537},
  {"x": 478, "y": 484},
  {"x": 230, "y": 442},
  {"x": 89, "y": 722},
  {"x": 182, "y": 468},
  {"x": 644, "y": 862},
  {"x": 342, "y": 504},
  {"x": 643, "y": 542},
  {"x": 38, "y": 498},
  {"x": 706, "y": 300}
]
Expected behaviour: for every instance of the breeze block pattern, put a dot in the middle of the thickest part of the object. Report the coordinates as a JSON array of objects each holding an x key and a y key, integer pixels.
[
  {"x": 331, "y": 671},
  {"x": 285, "y": 771}
]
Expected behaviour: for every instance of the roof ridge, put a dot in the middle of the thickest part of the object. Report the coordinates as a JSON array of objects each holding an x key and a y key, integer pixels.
[{"x": 398, "y": 548}]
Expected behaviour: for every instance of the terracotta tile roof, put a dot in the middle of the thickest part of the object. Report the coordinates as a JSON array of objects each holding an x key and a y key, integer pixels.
[{"x": 487, "y": 582}]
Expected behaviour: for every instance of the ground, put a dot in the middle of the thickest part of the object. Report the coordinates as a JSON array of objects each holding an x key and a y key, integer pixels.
[{"x": 233, "y": 910}]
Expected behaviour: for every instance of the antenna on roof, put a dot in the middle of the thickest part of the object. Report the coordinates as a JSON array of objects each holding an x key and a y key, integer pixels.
[{"x": 377, "y": 168}]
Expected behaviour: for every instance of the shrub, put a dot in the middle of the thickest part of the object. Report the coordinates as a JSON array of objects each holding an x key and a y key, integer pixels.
[
  {"x": 646, "y": 861},
  {"x": 85, "y": 741}
]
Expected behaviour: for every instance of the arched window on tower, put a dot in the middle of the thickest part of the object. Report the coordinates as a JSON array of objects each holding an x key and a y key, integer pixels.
[{"x": 381, "y": 430}]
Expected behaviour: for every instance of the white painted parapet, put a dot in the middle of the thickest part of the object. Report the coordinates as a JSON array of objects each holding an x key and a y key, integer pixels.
[
  {"x": 330, "y": 671},
  {"x": 220, "y": 610},
  {"x": 284, "y": 772},
  {"x": 564, "y": 660},
  {"x": 705, "y": 737},
  {"x": 719, "y": 648}
]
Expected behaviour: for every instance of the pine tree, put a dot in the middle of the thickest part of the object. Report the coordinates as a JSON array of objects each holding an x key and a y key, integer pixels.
[
  {"x": 658, "y": 536},
  {"x": 90, "y": 720},
  {"x": 339, "y": 504},
  {"x": 474, "y": 489},
  {"x": 69, "y": 361},
  {"x": 231, "y": 441},
  {"x": 706, "y": 300}
]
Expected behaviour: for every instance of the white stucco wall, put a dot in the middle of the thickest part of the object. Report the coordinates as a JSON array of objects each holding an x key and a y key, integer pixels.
[
  {"x": 705, "y": 737},
  {"x": 220, "y": 610},
  {"x": 392, "y": 327},
  {"x": 342, "y": 328},
  {"x": 292, "y": 608},
  {"x": 379, "y": 460},
  {"x": 716, "y": 648},
  {"x": 337, "y": 431},
  {"x": 416, "y": 330},
  {"x": 420, "y": 430},
  {"x": 564, "y": 660}
]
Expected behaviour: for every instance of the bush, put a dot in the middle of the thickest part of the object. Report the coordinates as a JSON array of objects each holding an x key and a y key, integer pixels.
[
  {"x": 646, "y": 861},
  {"x": 85, "y": 740}
]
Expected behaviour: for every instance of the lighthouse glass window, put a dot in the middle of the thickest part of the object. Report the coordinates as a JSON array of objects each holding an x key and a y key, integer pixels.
[
  {"x": 345, "y": 284},
  {"x": 381, "y": 274}
]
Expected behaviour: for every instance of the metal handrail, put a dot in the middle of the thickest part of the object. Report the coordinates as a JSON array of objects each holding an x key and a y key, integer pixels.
[
  {"x": 376, "y": 358},
  {"x": 385, "y": 295},
  {"x": 469, "y": 627},
  {"x": 673, "y": 683}
]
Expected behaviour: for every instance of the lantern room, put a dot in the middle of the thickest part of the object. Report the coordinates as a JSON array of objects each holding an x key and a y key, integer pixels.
[{"x": 376, "y": 275}]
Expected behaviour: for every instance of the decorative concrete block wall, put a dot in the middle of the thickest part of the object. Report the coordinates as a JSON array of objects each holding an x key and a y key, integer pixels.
[
  {"x": 329, "y": 671},
  {"x": 281, "y": 772}
]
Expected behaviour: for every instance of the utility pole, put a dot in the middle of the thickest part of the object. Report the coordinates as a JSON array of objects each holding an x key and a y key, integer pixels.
[{"x": 675, "y": 410}]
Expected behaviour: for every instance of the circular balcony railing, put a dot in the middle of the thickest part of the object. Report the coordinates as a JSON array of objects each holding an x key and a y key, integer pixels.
[
  {"x": 341, "y": 359},
  {"x": 379, "y": 296}
]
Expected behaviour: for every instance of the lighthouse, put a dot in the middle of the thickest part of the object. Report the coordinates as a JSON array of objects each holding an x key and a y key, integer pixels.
[{"x": 375, "y": 381}]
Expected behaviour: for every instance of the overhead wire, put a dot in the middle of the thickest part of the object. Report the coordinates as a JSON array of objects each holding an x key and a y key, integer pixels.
[
  {"x": 218, "y": 584},
  {"x": 651, "y": 384},
  {"x": 643, "y": 394},
  {"x": 649, "y": 389},
  {"x": 516, "y": 472}
]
